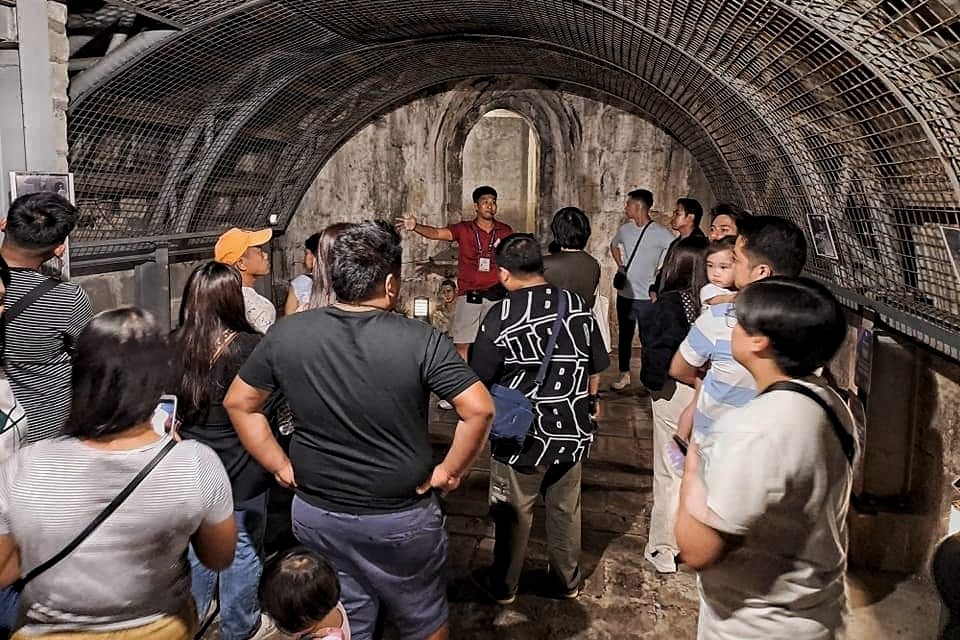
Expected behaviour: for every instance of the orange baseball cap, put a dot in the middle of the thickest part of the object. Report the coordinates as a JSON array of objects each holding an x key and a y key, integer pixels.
[{"x": 232, "y": 244}]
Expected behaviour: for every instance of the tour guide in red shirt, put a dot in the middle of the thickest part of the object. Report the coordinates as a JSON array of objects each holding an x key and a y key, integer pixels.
[{"x": 478, "y": 285}]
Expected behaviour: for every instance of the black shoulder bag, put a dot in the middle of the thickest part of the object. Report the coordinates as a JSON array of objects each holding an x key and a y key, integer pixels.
[
  {"x": 620, "y": 277},
  {"x": 513, "y": 411},
  {"x": 846, "y": 440},
  {"x": 113, "y": 506},
  {"x": 32, "y": 296}
]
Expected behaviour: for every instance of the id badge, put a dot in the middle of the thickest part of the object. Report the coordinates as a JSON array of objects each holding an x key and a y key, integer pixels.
[{"x": 484, "y": 265}]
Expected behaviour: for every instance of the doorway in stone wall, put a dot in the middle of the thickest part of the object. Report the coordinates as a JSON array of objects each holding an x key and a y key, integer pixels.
[{"x": 503, "y": 150}]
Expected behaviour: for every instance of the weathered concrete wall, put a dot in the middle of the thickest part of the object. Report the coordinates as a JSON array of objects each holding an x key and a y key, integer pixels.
[
  {"x": 59, "y": 56},
  {"x": 409, "y": 161},
  {"x": 908, "y": 487},
  {"x": 496, "y": 153},
  {"x": 119, "y": 288}
]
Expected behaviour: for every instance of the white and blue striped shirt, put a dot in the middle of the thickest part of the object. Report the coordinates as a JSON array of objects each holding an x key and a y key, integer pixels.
[{"x": 728, "y": 384}]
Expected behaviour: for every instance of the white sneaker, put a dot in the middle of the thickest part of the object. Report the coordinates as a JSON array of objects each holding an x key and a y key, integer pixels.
[
  {"x": 446, "y": 406},
  {"x": 622, "y": 382},
  {"x": 662, "y": 561},
  {"x": 268, "y": 629}
]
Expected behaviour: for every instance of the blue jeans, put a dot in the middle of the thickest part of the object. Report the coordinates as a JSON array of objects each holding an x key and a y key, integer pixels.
[
  {"x": 397, "y": 559},
  {"x": 239, "y": 608},
  {"x": 9, "y": 604}
]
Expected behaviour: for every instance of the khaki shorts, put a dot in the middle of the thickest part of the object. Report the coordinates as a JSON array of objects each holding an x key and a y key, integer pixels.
[
  {"x": 466, "y": 319},
  {"x": 181, "y": 626}
]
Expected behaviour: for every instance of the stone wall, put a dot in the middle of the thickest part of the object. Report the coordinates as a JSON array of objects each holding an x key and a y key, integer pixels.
[
  {"x": 59, "y": 56},
  {"x": 119, "y": 288},
  {"x": 905, "y": 488},
  {"x": 409, "y": 161}
]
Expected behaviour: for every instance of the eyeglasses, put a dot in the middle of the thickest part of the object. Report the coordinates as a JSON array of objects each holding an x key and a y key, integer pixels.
[{"x": 730, "y": 317}]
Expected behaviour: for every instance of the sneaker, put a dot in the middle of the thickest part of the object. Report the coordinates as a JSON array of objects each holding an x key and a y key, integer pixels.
[
  {"x": 446, "y": 406},
  {"x": 266, "y": 630},
  {"x": 559, "y": 591},
  {"x": 622, "y": 382},
  {"x": 662, "y": 561},
  {"x": 482, "y": 580}
]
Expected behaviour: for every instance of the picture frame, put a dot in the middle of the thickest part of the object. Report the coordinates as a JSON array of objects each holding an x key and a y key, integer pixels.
[
  {"x": 951, "y": 239},
  {"x": 824, "y": 242},
  {"x": 24, "y": 182}
]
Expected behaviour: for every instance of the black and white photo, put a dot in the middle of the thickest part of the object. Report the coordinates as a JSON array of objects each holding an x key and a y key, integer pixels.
[
  {"x": 24, "y": 182},
  {"x": 951, "y": 238},
  {"x": 824, "y": 244}
]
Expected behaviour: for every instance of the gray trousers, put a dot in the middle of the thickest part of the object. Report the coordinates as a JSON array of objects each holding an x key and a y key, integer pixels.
[{"x": 512, "y": 496}]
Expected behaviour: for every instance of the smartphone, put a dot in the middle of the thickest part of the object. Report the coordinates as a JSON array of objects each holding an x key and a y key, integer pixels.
[
  {"x": 681, "y": 444},
  {"x": 165, "y": 414}
]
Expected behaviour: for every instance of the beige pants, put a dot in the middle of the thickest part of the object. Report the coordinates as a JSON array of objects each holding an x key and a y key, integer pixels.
[
  {"x": 171, "y": 627},
  {"x": 668, "y": 404},
  {"x": 467, "y": 318}
]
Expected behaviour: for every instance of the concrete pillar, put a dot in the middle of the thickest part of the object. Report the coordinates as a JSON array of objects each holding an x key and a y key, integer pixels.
[{"x": 153, "y": 286}]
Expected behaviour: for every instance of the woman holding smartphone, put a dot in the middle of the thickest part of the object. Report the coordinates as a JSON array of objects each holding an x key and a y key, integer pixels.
[
  {"x": 129, "y": 578},
  {"x": 213, "y": 341}
]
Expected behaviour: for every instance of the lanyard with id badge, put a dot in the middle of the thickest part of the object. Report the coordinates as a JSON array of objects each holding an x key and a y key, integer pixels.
[{"x": 484, "y": 260}]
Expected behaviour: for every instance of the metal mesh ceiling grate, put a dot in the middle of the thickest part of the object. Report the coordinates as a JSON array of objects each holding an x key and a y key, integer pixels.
[{"x": 847, "y": 109}]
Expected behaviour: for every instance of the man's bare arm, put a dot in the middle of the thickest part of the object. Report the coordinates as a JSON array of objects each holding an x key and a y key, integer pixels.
[
  {"x": 244, "y": 404},
  {"x": 409, "y": 223},
  {"x": 682, "y": 370},
  {"x": 475, "y": 408}
]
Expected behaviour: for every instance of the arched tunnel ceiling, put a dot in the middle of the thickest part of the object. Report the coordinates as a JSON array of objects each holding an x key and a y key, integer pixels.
[{"x": 846, "y": 108}]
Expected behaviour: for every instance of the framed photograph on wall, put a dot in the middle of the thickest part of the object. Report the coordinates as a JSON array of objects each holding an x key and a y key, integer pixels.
[
  {"x": 24, "y": 182},
  {"x": 824, "y": 243},
  {"x": 951, "y": 238}
]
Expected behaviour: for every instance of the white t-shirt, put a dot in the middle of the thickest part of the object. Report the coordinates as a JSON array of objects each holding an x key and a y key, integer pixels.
[
  {"x": 775, "y": 473},
  {"x": 261, "y": 313}
]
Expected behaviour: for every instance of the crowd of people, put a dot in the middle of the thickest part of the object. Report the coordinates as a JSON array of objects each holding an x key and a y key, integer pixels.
[{"x": 113, "y": 528}]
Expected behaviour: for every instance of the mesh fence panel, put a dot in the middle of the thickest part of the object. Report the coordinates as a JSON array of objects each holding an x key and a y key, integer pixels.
[{"x": 842, "y": 115}]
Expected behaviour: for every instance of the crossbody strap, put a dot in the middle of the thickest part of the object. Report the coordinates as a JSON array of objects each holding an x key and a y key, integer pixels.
[
  {"x": 846, "y": 440},
  {"x": 626, "y": 267},
  {"x": 67, "y": 550},
  {"x": 552, "y": 342},
  {"x": 32, "y": 296}
]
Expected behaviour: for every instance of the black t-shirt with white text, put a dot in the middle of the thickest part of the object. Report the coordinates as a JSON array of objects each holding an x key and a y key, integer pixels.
[
  {"x": 359, "y": 386},
  {"x": 509, "y": 350}
]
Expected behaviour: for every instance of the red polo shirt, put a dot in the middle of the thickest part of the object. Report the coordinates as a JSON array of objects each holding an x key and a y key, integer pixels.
[{"x": 475, "y": 243}]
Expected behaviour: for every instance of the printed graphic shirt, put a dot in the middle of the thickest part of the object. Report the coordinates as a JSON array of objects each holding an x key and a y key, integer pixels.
[{"x": 508, "y": 351}]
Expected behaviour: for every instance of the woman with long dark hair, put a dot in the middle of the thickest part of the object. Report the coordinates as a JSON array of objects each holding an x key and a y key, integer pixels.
[
  {"x": 213, "y": 341},
  {"x": 322, "y": 295},
  {"x": 677, "y": 306},
  {"x": 130, "y": 577}
]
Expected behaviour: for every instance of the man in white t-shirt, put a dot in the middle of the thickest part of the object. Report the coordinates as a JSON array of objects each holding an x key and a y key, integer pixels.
[
  {"x": 764, "y": 497},
  {"x": 244, "y": 251}
]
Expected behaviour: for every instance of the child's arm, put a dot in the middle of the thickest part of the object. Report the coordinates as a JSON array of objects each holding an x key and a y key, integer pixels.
[{"x": 727, "y": 297}]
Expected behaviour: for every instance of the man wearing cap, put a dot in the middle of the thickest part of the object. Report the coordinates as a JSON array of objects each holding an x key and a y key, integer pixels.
[
  {"x": 478, "y": 286},
  {"x": 244, "y": 251}
]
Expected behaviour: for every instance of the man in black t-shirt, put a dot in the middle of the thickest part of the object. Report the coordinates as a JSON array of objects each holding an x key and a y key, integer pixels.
[
  {"x": 358, "y": 379},
  {"x": 508, "y": 351}
]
